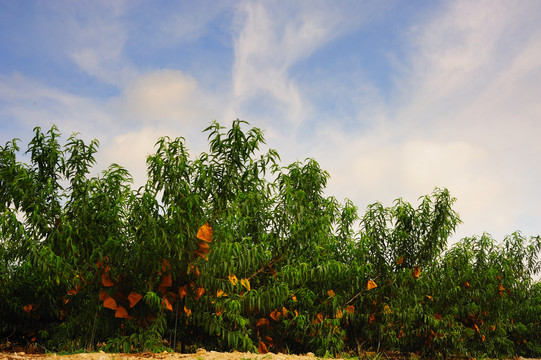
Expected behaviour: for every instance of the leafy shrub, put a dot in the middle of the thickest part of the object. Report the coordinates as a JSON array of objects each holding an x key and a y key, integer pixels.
[{"x": 230, "y": 250}]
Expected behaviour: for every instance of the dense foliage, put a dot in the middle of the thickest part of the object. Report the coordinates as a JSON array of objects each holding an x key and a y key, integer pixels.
[{"x": 230, "y": 250}]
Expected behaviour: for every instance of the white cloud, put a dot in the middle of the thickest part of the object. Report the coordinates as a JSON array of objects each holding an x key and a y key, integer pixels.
[
  {"x": 169, "y": 98},
  {"x": 467, "y": 118},
  {"x": 273, "y": 37},
  {"x": 130, "y": 151},
  {"x": 32, "y": 104}
]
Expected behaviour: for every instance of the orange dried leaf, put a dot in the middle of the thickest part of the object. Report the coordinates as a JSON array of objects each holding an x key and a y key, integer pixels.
[
  {"x": 269, "y": 340},
  {"x": 134, "y": 298},
  {"x": 204, "y": 247},
  {"x": 182, "y": 291},
  {"x": 330, "y": 293},
  {"x": 483, "y": 337},
  {"x": 400, "y": 260},
  {"x": 437, "y": 317},
  {"x": 318, "y": 319},
  {"x": 350, "y": 309},
  {"x": 167, "y": 304},
  {"x": 262, "y": 348},
  {"x": 199, "y": 292},
  {"x": 284, "y": 311},
  {"x": 275, "y": 314},
  {"x": 29, "y": 308},
  {"x": 218, "y": 311},
  {"x": 103, "y": 295},
  {"x": 262, "y": 322},
  {"x": 220, "y": 293},
  {"x": 293, "y": 297},
  {"x": 476, "y": 327},
  {"x": 371, "y": 285},
  {"x": 245, "y": 283},
  {"x": 72, "y": 292},
  {"x": 194, "y": 269},
  {"x": 372, "y": 318},
  {"x": 338, "y": 314},
  {"x": 166, "y": 265},
  {"x": 121, "y": 312},
  {"x": 416, "y": 272},
  {"x": 205, "y": 233},
  {"x": 501, "y": 287},
  {"x": 233, "y": 280},
  {"x": 106, "y": 280},
  {"x": 202, "y": 255},
  {"x": 467, "y": 285},
  {"x": 167, "y": 280},
  {"x": 110, "y": 303}
]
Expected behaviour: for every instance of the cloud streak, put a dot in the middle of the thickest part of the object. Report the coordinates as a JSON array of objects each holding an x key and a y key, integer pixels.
[{"x": 459, "y": 108}]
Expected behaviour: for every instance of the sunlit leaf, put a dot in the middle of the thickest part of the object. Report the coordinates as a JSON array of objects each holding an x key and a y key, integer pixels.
[
  {"x": 187, "y": 311},
  {"x": 338, "y": 314},
  {"x": 501, "y": 287},
  {"x": 330, "y": 293},
  {"x": 233, "y": 279},
  {"x": 293, "y": 297}
]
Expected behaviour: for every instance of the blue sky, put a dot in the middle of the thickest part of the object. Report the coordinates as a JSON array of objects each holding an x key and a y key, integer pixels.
[{"x": 392, "y": 98}]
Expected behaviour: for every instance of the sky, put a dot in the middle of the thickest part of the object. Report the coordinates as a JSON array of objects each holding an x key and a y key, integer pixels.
[{"x": 392, "y": 98}]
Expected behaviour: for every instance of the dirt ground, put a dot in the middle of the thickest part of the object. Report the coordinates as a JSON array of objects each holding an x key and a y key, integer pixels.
[{"x": 200, "y": 355}]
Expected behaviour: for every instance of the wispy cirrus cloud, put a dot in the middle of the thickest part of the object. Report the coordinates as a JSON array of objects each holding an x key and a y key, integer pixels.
[{"x": 273, "y": 37}]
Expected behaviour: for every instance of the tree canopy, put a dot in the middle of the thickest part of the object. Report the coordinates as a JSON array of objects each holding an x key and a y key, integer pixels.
[{"x": 232, "y": 250}]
